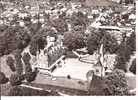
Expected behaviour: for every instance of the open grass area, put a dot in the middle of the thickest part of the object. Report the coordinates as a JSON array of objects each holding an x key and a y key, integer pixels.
[
  {"x": 63, "y": 90},
  {"x": 7, "y": 90}
]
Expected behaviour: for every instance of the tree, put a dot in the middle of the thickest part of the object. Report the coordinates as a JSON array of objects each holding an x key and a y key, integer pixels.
[
  {"x": 14, "y": 37},
  {"x": 122, "y": 58},
  {"x": 60, "y": 25},
  {"x": 126, "y": 49},
  {"x": 97, "y": 38},
  {"x": 21, "y": 36},
  {"x": 10, "y": 62},
  {"x": 133, "y": 67},
  {"x": 33, "y": 49},
  {"x": 38, "y": 41},
  {"x": 80, "y": 20},
  {"x": 117, "y": 82},
  {"x": 16, "y": 79},
  {"x": 73, "y": 40},
  {"x": 110, "y": 44},
  {"x": 26, "y": 58},
  {"x": 3, "y": 28},
  {"x": 3, "y": 78},
  {"x": 31, "y": 76},
  {"x": 2, "y": 46},
  {"x": 131, "y": 43},
  {"x": 34, "y": 28},
  {"x": 18, "y": 62},
  {"x": 93, "y": 41},
  {"x": 36, "y": 44}
]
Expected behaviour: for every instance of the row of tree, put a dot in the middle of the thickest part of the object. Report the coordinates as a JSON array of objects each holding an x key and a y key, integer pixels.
[
  {"x": 75, "y": 40},
  {"x": 20, "y": 73}
]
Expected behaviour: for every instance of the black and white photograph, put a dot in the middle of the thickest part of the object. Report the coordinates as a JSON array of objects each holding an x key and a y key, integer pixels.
[{"x": 67, "y": 48}]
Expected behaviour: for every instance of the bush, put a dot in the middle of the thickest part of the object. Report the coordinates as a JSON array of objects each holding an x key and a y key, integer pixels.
[
  {"x": 10, "y": 63},
  {"x": 73, "y": 40},
  {"x": 16, "y": 79},
  {"x": 3, "y": 78},
  {"x": 26, "y": 58},
  {"x": 117, "y": 82},
  {"x": 133, "y": 67},
  {"x": 30, "y": 76}
]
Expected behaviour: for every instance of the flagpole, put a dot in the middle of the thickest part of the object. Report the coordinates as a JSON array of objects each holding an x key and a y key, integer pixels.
[{"x": 101, "y": 52}]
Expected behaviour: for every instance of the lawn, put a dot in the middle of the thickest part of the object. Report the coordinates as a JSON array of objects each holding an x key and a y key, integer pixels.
[{"x": 8, "y": 90}]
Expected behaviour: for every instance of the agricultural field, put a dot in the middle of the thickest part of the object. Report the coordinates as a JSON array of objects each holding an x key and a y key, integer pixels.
[{"x": 67, "y": 48}]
